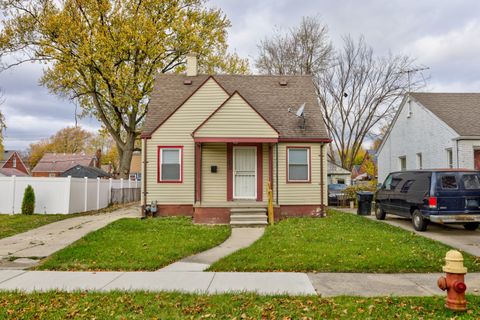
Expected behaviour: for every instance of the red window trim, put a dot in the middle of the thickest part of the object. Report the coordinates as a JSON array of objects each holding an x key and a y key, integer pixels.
[
  {"x": 159, "y": 164},
  {"x": 309, "y": 164}
]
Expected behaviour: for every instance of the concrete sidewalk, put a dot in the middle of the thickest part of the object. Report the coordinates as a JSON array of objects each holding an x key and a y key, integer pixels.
[
  {"x": 265, "y": 283},
  {"x": 454, "y": 236},
  {"x": 45, "y": 240},
  {"x": 240, "y": 238}
]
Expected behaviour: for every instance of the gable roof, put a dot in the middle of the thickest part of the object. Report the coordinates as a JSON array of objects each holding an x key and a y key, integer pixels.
[
  {"x": 250, "y": 110},
  {"x": 264, "y": 93},
  {"x": 460, "y": 111},
  {"x": 60, "y": 162}
]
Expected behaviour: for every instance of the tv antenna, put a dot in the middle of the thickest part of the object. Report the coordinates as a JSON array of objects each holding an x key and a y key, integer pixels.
[
  {"x": 300, "y": 113},
  {"x": 410, "y": 71}
]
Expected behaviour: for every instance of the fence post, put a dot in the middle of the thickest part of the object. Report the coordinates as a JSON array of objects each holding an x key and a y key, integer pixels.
[
  {"x": 122, "y": 192},
  {"x": 110, "y": 186},
  {"x": 69, "y": 191},
  {"x": 98, "y": 193},
  {"x": 86, "y": 194},
  {"x": 13, "y": 194}
]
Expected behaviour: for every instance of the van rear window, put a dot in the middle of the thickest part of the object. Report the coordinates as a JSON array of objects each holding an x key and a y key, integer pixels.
[
  {"x": 471, "y": 181},
  {"x": 449, "y": 182}
]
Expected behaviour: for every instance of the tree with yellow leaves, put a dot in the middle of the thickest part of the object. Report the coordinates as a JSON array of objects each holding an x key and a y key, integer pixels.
[{"x": 105, "y": 53}]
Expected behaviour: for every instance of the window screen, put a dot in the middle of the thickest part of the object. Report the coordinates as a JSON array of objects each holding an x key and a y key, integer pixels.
[
  {"x": 170, "y": 164},
  {"x": 298, "y": 164}
]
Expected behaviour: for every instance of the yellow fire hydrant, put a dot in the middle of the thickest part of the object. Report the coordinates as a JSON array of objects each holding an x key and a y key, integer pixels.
[{"x": 454, "y": 281}]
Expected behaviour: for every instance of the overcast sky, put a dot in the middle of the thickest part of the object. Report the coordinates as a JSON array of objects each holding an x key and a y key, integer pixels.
[{"x": 441, "y": 34}]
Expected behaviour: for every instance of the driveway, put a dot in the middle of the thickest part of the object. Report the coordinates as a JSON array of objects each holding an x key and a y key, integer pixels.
[
  {"x": 454, "y": 236},
  {"x": 25, "y": 249}
]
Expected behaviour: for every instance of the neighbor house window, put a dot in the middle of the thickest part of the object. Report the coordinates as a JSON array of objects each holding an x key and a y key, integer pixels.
[
  {"x": 14, "y": 162},
  {"x": 170, "y": 164},
  {"x": 419, "y": 161},
  {"x": 449, "y": 158},
  {"x": 403, "y": 163},
  {"x": 298, "y": 163}
]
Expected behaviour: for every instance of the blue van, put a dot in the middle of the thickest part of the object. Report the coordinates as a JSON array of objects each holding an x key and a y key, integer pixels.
[{"x": 437, "y": 195}]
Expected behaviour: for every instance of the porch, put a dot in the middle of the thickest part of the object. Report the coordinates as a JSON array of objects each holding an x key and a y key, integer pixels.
[{"x": 231, "y": 181}]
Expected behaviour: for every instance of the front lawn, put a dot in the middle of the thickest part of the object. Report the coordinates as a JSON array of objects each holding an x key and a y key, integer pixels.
[
  {"x": 341, "y": 242},
  {"x": 134, "y": 244},
  {"x": 143, "y": 305},
  {"x": 18, "y": 223}
]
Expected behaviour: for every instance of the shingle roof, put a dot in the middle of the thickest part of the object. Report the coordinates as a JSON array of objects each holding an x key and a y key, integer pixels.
[
  {"x": 461, "y": 111},
  {"x": 80, "y": 171},
  {"x": 264, "y": 93},
  {"x": 8, "y": 172},
  {"x": 60, "y": 162}
]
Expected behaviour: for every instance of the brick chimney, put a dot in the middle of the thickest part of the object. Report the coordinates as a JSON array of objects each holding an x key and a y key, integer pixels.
[
  {"x": 192, "y": 70},
  {"x": 98, "y": 158}
]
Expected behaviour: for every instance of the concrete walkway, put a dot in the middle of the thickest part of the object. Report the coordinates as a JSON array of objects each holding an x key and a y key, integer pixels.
[
  {"x": 454, "y": 236},
  {"x": 324, "y": 284},
  {"x": 240, "y": 238},
  {"x": 45, "y": 240}
]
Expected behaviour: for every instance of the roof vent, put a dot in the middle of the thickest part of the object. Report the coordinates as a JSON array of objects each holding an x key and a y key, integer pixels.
[
  {"x": 187, "y": 82},
  {"x": 283, "y": 83}
]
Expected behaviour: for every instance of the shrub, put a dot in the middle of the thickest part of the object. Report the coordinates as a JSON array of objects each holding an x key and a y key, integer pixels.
[
  {"x": 351, "y": 191},
  {"x": 28, "y": 203}
]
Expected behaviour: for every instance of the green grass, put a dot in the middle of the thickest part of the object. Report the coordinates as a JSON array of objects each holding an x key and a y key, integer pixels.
[
  {"x": 134, "y": 244},
  {"x": 18, "y": 223},
  {"x": 143, "y": 305},
  {"x": 340, "y": 242}
]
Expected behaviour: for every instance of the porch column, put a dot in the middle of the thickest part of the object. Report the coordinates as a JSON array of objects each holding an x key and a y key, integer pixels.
[{"x": 198, "y": 172}]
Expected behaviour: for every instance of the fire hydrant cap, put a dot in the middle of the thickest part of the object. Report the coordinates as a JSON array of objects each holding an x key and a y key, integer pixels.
[{"x": 454, "y": 263}]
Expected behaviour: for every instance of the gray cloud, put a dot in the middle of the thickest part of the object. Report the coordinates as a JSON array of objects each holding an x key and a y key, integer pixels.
[{"x": 443, "y": 35}]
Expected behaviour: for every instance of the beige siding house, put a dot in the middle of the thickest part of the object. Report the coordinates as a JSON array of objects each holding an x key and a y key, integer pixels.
[{"x": 212, "y": 143}]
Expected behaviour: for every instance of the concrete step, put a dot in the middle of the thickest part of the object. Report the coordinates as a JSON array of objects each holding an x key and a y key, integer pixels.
[
  {"x": 248, "y": 217},
  {"x": 248, "y": 210}
]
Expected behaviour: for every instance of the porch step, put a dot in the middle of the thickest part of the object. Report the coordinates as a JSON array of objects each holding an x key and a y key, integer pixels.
[{"x": 248, "y": 217}]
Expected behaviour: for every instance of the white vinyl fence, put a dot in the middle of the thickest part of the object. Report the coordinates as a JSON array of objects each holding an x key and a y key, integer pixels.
[{"x": 61, "y": 195}]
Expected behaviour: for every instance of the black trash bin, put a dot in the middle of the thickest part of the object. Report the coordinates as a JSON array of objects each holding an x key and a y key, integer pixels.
[{"x": 364, "y": 200}]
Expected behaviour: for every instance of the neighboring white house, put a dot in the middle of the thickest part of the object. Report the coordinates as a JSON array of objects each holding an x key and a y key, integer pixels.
[
  {"x": 337, "y": 174},
  {"x": 432, "y": 130}
]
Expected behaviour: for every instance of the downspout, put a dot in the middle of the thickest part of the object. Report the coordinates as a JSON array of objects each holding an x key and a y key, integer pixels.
[
  {"x": 276, "y": 173},
  {"x": 144, "y": 177},
  {"x": 322, "y": 203}
]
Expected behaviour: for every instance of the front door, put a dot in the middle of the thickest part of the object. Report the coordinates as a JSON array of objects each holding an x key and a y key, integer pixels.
[
  {"x": 245, "y": 172},
  {"x": 476, "y": 155}
]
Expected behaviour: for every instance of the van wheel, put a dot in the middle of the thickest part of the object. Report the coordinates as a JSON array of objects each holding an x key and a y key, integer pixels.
[
  {"x": 418, "y": 221},
  {"x": 471, "y": 226},
  {"x": 380, "y": 213}
]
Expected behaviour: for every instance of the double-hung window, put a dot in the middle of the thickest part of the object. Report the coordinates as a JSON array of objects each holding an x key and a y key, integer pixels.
[
  {"x": 298, "y": 162},
  {"x": 170, "y": 164}
]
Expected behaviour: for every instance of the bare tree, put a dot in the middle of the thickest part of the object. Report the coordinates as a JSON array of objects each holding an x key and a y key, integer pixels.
[
  {"x": 359, "y": 93},
  {"x": 305, "y": 49}
]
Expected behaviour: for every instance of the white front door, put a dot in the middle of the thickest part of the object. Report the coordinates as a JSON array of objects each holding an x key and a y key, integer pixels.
[{"x": 245, "y": 172}]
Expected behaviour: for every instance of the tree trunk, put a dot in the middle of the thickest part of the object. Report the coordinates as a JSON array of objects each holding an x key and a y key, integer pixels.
[{"x": 125, "y": 153}]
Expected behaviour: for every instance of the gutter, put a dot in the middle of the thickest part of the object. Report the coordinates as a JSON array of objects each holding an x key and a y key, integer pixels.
[{"x": 322, "y": 203}]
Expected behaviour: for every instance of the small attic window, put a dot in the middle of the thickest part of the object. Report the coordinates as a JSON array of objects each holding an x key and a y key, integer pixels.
[
  {"x": 187, "y": 82},
  {"x": 283, "y": 83}
]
